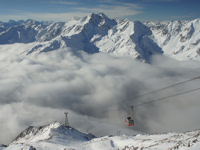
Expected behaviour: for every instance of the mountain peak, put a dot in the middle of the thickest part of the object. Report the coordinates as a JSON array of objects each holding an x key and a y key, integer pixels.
[
  {"x": 11, "y": 21},
  {"x": 51, "y": 132},
  {"x": 94, "y": 15},
  {"x": 29, "y": 133},
  {"x": 101, "y": 19},
  {"x": 95, "y": 18}
]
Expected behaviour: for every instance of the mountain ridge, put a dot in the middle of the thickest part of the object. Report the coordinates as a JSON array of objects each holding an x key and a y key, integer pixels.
[
  {"x": 179, "y": 39},
  {"x": 97, "y": 33},
  {"x": 57, "y": 136},
  {"x": 50, "y": 132}
]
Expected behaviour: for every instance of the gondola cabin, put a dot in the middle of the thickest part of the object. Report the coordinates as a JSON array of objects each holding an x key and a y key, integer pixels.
[{"x": 129, "y": 120}]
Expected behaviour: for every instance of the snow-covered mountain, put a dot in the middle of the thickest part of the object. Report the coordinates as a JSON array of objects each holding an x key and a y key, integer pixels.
[
  {"x": 93, "y": 33},
  {"x": 51, "y": 136},
  {"x": 10, "y": 23},
  {"x": 97, "y": 33},
  {"x": 23, "y": 32},
  {"x": 179, "y": 39},
  {"x": 57, "y": 136}
]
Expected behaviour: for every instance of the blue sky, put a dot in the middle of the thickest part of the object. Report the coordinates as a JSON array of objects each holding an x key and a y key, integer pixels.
[{"x": 64, "y": 10}]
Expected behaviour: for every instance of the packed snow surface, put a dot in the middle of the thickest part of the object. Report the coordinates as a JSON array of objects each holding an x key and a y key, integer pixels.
[{"x": 57, "y": 136}]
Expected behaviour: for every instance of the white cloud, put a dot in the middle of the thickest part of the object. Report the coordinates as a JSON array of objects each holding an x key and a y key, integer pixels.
[
  {"x": 105, "y": 1},
  {"x": 44, "y": 16},
  {"x": 95, "y": 89},
  {"x": 116, "y": 10},
  {"x": 184, "y": 17},
  {"x": 63, "y": 2}
]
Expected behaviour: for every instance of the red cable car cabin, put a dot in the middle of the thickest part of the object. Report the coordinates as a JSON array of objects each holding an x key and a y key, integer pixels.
[{"x": 129, "y": 120}]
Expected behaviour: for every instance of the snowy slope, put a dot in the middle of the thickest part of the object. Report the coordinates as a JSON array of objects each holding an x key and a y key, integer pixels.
[
  {"x": 189, "y": 140},
  {"x": 56, "y": 136},
  {"x": 97, "y": 33},
  {"x": 178, "y": 39},
  {"x": 76, "y": 34},
  {"x": 27, "y": 31},
  {"x": 129, "y": 38},
  {"x": 93, "y": 33},
  {"x": 52, "y": 135},
  {"x": 2, "y": 147},
  {"x": 10, "y": 23}
]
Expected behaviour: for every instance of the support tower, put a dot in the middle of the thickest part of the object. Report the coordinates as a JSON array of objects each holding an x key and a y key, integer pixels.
[{"x": 66, "y": 119}]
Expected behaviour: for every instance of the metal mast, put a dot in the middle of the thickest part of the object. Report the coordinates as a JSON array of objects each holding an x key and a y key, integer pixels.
[{"x": 66, "y": 119}]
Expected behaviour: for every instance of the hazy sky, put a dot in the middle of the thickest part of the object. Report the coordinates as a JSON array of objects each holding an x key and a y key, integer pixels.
[{"x": 63, "y": 10}]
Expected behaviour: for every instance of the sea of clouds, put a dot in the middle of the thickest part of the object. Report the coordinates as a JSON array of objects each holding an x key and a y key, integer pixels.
[{"x": 97, "y": 91}]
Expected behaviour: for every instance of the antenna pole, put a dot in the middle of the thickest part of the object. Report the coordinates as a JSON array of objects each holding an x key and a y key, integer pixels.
[{"x": 66, "y": 119}]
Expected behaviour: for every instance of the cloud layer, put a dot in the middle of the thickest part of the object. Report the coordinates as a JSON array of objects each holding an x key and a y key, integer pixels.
[{"x": 97, "y": 90}]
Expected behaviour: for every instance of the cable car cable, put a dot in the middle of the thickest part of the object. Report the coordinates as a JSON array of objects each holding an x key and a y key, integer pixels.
[
  {"x": 166, "y": 97},
  {"x": 169, "y": 86},
  {"x": 130, "y": 121}
]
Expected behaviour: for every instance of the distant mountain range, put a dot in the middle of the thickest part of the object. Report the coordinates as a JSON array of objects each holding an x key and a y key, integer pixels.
[{"x": 97, "y": 33}]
